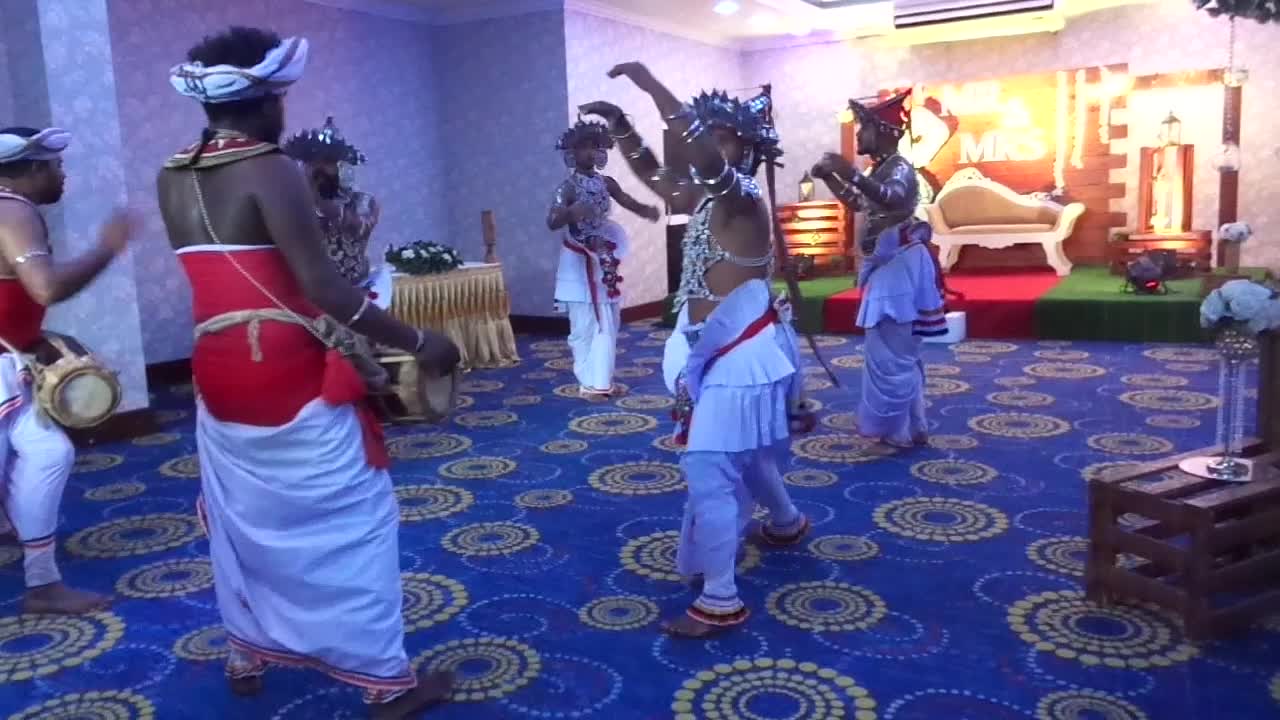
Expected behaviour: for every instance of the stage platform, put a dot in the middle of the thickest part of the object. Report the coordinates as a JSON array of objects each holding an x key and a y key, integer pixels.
[{"x": 1088, "y": 304}]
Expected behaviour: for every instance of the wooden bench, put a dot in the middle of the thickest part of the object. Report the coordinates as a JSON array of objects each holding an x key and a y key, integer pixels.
[{"x": 1207, "y": 550}]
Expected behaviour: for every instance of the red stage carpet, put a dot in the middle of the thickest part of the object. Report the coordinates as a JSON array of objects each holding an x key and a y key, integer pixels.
[{"x": 998, "y": 304}]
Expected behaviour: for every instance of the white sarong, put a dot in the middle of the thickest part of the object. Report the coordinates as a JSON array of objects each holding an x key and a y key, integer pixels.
[
  {"x": 37, "y": 458},
  {"x": 303, "y": 535}
]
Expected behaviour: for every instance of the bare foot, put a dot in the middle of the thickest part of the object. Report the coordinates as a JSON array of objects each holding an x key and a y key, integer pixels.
[
  {"x": 686, "y": 626},
  {"x": 433, "y": 689},
  {"x": 58, "y": 599},
  {"x": 247, "y": 686}
]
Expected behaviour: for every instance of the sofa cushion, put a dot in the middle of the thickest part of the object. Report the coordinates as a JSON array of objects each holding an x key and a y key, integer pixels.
[
  {"x": 977, "y": 205},
  {"x": 1018, "y": 229}
]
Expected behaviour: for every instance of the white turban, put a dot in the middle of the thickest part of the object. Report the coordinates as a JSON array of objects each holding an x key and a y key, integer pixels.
[
  {"x": 281, "y": 68},
  {"x": 44, "y": 145}
]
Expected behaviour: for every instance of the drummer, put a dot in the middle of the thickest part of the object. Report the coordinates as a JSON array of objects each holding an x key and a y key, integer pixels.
[
  {"x": 347, "y": 216},
  {"x": 37, "y": 454},
  {"x": 295, "y": 487}
]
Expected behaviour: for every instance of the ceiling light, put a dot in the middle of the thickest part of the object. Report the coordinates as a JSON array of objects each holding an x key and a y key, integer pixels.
[{"x": 726, "y": 7}]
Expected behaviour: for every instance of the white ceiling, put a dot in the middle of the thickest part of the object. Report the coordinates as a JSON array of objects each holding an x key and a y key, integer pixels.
[{"x": 756, "y": 21}]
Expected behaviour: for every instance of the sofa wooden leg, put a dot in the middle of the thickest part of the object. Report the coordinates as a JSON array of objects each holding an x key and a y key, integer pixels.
[{"x": 1057, "y": 259}]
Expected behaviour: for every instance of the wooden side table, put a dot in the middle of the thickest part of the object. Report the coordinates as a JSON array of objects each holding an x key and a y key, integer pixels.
[
  {"x": 1207, "y": 551},
  {"x": 1194, "y": 249}
]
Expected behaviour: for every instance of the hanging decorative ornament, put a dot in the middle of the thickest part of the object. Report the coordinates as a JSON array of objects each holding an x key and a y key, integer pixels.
[{"x": 1227, "y": 158}]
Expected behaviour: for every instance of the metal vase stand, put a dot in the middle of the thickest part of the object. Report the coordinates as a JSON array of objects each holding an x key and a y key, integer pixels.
[{"x": 1236, "y": 348}]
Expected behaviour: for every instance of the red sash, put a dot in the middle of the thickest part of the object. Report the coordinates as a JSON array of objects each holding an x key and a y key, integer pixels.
[
  {"x": 591, "y": 273},
  {"x": 756, "y": 327}
]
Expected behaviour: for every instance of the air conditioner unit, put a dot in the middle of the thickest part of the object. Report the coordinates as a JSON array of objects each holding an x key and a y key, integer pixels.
[{"x": 914, "y": 13}]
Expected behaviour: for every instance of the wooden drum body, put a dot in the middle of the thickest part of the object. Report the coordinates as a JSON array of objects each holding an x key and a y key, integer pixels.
[
  {"x": 416, "y": 396},
  {"x": 75, "y": 390}
]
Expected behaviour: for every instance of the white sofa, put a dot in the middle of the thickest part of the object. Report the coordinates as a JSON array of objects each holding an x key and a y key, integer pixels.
[{"x": 976, "y": 211}]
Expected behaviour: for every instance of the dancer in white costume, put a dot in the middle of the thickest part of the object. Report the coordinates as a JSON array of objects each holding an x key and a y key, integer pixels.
[
  {"x": 35, "y": 454},
  {"x": 295, "y": 491},
  {"x": 733, "y": 360},
  {"x": 592, "y": 247}
]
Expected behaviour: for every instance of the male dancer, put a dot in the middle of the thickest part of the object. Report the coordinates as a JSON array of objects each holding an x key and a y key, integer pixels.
[
  {"x": 37, "y": 453},
  {"x": 296, "y": 498},
  {"x": 587, "y": 280},
  {"x": 347, "y": 216},
  {"x": 733, "y": 359},
  {"x": 901, "y": 284}
]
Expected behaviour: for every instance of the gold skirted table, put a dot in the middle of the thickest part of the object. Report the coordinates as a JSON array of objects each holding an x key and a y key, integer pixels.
[{"x": 469, "y": 304}]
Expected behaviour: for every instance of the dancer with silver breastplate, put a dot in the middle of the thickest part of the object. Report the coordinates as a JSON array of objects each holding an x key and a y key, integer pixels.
[
  {"x": 588, "y": 284},
  {"x": 347, "y": 216},
  {"x": 733, "y": 360},
  {"x": 902, "y": 298}
]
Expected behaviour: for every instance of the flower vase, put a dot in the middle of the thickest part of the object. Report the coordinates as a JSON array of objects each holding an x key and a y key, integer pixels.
[{"x": 1236, "y": 347}]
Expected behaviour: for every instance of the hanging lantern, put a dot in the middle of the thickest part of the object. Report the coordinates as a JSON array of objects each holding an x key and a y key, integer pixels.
[
  {"x": 1171, "y": 130},
  {"x": 806, "y": 188}
]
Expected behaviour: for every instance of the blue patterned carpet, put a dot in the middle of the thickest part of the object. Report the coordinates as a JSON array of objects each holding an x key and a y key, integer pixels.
[{"x": 538, "y": 542}]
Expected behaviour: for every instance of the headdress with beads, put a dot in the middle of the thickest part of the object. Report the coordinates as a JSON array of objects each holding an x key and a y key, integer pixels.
[
  {"x": 596, "y": 134},
  {"x": 323, "y": 145},
  {"x": 586, "y": 131},
  {"x": 751, "y": 120}
]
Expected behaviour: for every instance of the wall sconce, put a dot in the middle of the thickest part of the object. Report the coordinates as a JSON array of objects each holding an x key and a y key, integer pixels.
[
  {"x": 806, "y": 188},
  {"x": 1171, "y": 131}
]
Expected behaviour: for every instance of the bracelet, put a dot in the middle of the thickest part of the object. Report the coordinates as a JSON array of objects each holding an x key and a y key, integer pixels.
[
  {"x": 24, "y": 257},
  {"x": 631, "y": 128},
  {"x": 637, "y": 153},
  {"x": 364, "y": 305}
]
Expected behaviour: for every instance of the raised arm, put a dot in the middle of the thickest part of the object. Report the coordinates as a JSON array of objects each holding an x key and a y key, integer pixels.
[
  {"x": 673, "y": 185},
  {"x": 290, "y": 217},
  {"x": 832, "y": 169},
  {"x": 25, "y": 247},
  {"x": 620, "y": 196},
  {"x": 711, "y": 170},
  {"x": 893, "y": 191}
]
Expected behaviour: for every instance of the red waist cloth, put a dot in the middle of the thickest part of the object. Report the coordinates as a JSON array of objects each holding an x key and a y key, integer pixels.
[
  {"x": 293, "y": 367},
  {"x": 20, "y": 316}
]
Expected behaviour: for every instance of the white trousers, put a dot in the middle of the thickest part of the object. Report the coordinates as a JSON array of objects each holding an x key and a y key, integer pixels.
[
  {"x": 594, "y": 343},
  {"x": 38, "y": 458}
]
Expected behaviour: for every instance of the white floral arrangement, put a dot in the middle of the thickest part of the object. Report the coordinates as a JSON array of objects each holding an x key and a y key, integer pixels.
[
  {"x": 1235, "y": 232},
  {"x": 423, "y": 258},
  {"x": 1243, "y": 304}
]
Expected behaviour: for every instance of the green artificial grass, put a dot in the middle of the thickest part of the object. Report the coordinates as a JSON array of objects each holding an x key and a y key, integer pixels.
[
  {"x": 1091, "y": 304},
  {"x": 814, "y": 294}
]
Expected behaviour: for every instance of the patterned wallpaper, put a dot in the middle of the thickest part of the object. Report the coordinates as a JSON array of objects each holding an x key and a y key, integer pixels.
[
  {"x": 60, "y": 68},
  {"x": 813, "y": 83},
  {"x": 503, "y": 85},
  {"x": 375, "y": 75},
  {"x": 593, "y": 45}
]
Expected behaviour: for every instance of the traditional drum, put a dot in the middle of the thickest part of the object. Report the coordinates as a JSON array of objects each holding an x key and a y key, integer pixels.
[
  {"x": 416, "y": 395},
  {"x": 70, "y": 385}
]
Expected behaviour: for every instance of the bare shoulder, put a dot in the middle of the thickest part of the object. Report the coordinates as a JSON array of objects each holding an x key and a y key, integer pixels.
[
  {"x": 611, "y": 183},
  {"x": 272, "y": 173},
  {"x": 20, "y": 224}
]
